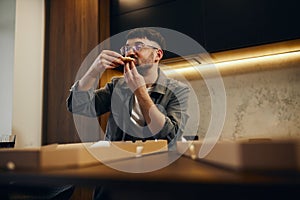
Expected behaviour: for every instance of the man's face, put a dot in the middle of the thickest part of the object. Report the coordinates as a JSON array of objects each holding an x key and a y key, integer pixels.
[{"x": 146, "y": 52}]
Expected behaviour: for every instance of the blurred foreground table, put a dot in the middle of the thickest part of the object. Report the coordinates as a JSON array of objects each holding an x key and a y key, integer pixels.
[{"x": 183, "y": 178}]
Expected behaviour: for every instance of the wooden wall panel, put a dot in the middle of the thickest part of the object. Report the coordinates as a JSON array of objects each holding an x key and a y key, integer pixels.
[{"x": 72, "y": 31}]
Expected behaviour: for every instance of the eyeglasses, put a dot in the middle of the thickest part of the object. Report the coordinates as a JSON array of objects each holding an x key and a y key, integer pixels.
[{"x": 136, "y": 47}]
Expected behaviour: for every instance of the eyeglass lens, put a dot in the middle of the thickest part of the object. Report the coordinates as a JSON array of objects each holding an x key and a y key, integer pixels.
[{"x": 136, "y": 47}]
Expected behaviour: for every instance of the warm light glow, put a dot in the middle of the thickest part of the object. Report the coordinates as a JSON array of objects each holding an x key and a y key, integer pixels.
[
  {"x": 129, "y": 2},
  {"x": 288, "y": 55},
  {"x": 278, "y": 55},
  {"x": 234, "y": 64}
]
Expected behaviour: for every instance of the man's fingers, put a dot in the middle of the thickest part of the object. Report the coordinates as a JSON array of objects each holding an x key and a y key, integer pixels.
[
  {"x": 126, "y": 68},
  {"x": 133, "y": 79},
  {"x": 130, "y": 68},
  {"x": 131, "y": 65},
  {"x": 133, "y": 69},
  {"x": 112, "y": 53},
  {"x": 112, "y": 59},
  {"x": 108, "y": 64}
]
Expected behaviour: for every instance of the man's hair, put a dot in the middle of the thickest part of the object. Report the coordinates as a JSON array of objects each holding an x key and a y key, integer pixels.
[{"x": 148, "y": 33}]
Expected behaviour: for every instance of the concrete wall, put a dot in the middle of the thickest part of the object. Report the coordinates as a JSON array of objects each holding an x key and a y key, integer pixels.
[
  {"x": 261, "y": 102},
  {"x": 262, "y": 86}
]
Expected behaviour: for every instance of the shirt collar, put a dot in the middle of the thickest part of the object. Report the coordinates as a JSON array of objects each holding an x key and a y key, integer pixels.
[{"x": 160, "y": 85}]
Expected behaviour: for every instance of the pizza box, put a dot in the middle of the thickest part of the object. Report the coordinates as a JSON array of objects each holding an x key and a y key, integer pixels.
[
  {"x": 251, "y": 154},
  {"x": 76, "y": 154},
  {"x": 48, "y": 156},
  {"x": 111, "y": 151}
]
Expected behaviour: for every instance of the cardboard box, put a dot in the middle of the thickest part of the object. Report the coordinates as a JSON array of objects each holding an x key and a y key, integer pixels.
[
  {"x": 120, "y": 150},
  {"x": 49, "y": 156},
  {"x": 76, "y": 154},
  {"x": 257, "y": 154}
]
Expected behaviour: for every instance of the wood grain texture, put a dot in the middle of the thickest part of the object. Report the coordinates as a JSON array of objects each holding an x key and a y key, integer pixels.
[{"x": 72, "y": 31}]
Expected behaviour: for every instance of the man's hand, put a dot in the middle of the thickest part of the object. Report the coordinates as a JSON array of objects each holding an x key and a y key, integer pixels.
[
  {"x": 133, "y": 79},
  {"x": 153, "y": 117},
  {"x": 107, "y": 60}
]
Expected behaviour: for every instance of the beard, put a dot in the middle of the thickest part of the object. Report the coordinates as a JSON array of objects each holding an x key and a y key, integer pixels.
[
  {"x": 144, "y": 65},
  {"x": 144, "y": 68}
]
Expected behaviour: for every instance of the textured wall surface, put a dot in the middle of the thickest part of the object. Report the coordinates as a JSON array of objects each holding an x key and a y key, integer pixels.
[{"x": 264, "y": 102}]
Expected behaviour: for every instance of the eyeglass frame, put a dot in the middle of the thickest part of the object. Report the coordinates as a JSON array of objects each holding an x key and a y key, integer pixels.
[{"x": 135, "y": 47}]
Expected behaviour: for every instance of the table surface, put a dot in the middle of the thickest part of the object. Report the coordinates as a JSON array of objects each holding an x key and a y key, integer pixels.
[
  {"x": 181, "y": 179},
  {"x": 182, "y": 170}
]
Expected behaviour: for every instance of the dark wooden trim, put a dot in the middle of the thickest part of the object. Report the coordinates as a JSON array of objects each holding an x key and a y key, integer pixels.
[
  {"x": 104, "y": 20},
  {"x": 46, "y": 66}
]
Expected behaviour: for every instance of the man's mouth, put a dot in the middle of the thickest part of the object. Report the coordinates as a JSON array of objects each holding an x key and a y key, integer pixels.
[{"x": 135, "y": 59}]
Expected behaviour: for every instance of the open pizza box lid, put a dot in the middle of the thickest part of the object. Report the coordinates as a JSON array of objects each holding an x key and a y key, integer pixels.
[
  {"x": 251, "y": 154},
  {"x": 76, "y": 154}
]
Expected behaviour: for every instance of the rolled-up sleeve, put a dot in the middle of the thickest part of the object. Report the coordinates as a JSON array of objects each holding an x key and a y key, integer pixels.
[{"x": 89, "y": 103}]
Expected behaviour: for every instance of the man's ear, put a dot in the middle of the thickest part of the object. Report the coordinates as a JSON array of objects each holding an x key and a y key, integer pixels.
[{"x": 159, "y": 55}]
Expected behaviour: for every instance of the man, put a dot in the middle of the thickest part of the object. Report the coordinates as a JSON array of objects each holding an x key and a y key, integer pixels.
[{"x": 144, "y": 104}]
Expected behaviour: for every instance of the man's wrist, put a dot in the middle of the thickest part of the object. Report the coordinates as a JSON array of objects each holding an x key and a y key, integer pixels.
[
  {"x": 141, "y": 91},
  {"x": 94, "y": 72}
]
